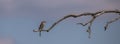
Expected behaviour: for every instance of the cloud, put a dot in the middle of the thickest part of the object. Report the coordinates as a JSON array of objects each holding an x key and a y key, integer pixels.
[
  {"x": 7, "y": 6},
  {"x": 64, "y": 3},
  {"x": 6, "y": 41},
  {"x": 115, "y": 3},
  {"x": 10, "y": 4},
  {"x": 32, "y": 6}
]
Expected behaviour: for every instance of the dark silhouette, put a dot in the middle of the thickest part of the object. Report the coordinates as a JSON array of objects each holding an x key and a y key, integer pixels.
[
  {"x": 93, "y": 15},
  {"x": 40, "y": 27}
]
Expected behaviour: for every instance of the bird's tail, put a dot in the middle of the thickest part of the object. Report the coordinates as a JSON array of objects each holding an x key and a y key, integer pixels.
[{"x": 40, "y": 34}]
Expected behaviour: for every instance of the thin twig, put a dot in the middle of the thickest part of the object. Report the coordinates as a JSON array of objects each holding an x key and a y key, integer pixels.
[
  {"x": 109, "y": 22},
  {"x": 89, "y": 27}
]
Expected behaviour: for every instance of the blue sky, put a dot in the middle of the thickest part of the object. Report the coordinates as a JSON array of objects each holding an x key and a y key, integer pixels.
[{"x": 19, "y": 17}]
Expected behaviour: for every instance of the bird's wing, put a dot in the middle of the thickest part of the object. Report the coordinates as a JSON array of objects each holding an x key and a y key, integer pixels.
[{"x": 41, "y": 26}]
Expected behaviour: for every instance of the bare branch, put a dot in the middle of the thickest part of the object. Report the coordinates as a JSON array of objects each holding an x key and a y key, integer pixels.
[
  {"x": 68, "y": 16},
  {"x": 94, "y": 16},
  {"x": 54, "y": 24},
  {"x": 90, "y": 22}
]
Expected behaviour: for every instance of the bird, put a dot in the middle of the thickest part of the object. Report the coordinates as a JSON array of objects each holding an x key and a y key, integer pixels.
[{"x": 41, "y": 26}]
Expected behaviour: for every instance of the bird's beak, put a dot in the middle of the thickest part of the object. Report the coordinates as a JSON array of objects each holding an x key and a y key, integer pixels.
[{"x": 35, "y": 30}]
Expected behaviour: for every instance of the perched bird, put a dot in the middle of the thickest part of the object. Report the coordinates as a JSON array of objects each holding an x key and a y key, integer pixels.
[{"x": 40, "y": 28}]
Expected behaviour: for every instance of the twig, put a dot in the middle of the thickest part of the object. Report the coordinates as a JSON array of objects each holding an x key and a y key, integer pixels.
[
  {"x": 109, "y": 22},
  {"x": 89, "y": 27}
]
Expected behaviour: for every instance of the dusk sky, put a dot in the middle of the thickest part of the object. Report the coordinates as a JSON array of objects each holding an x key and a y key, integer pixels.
[{"x": 18, "y": 18}]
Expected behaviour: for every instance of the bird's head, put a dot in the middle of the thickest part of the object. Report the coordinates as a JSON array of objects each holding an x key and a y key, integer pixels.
[
  {"x": 35, "y": 30},
  {"x": 43, "y": 21}
]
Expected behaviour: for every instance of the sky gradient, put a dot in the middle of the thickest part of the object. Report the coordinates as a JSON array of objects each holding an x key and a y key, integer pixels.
[{"x": 19, "y": 17}]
